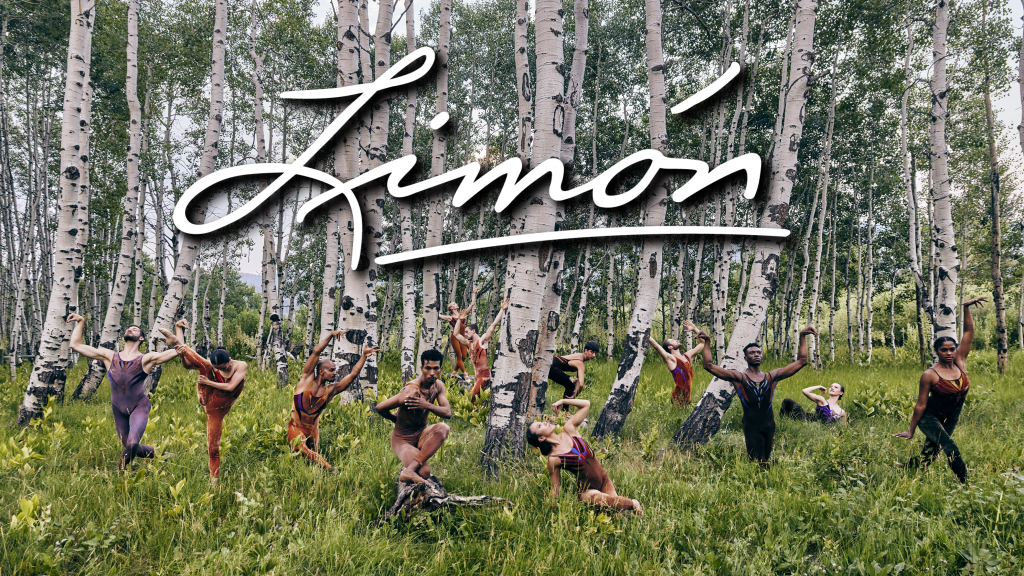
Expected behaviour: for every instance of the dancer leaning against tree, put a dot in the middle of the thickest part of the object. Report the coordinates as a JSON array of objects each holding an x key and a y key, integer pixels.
[
  {"x": 941, "y": 397},
  {"x": 566, "y": 449},
  {"x": 477, "y": 345},
  {"x": 127, "y": 371},
  {"x": 679, "y": 365},
  {"x": 460, "y": 349},
  {"x": 220, "y": 383},
  {"x": 756, "y": 390},
  {"x": 313, "y": 393}
]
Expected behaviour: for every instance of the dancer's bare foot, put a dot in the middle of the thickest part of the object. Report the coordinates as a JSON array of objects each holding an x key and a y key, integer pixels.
[
  {"x": 636, "y": 508},
  {"x": 409, "y": 475},
  {"x": 172, "y": 340}
]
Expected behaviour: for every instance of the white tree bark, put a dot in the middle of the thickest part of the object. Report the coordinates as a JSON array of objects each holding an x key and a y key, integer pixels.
[
  {"x": 574, "y": 92},
  {"x": 524, "y": 87},
  {"x": 409, "y": 315},
  {"x": 824, "y": 167}
]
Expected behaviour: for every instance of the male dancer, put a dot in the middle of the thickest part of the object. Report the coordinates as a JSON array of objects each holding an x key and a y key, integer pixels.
[
  {"x": 220, "y": 383},
  {"x": 127, "y": 371},
  {"x": 756, "y": 390},
  {"x": 572, "y": 363},
  {"x": 313, "y": 393},
  {"x": 477, "y": 346},
  {"x": 680, "y": 365},
  {"x": 412, "y": 440}
]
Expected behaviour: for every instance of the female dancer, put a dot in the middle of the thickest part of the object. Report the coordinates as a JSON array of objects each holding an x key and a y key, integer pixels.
[
  {"x": 679, "y": 365},
  {"x": 453, "y": 320},
  {"x": 220, "y": 383},
  {"x": 567, "y": 449},
  {"x": 827, "y": 411},
  {"x": 941, "y": 397}
]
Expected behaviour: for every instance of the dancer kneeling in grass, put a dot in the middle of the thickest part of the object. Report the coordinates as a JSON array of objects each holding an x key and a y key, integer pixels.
[
  {"x": 568, "y": 450},
  {"x": 826, "y": 411}
]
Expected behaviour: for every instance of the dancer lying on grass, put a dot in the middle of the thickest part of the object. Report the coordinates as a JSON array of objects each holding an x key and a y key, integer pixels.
[
  {"x": 127, "y": 371},
  {"x": 220, "y": 382},
  {"x": 756, "y": 390},
  {"x": 313, "y": 393},
  {"x": 477, "y": 345},
  {"x": 941, "y": 397},
  {"x": 458, "y": 347},
  {"x": 567, "y": 449},
  {"x": 825, "y": 411},
  {"x": 679, "y": 365},
  {"x": 412, "y": 440}
]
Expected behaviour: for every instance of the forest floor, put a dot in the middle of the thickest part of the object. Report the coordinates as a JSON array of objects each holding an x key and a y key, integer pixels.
[{"x": 835, "y": 502}]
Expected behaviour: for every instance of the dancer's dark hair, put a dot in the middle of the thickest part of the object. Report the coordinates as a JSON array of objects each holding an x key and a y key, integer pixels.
[
  {"x": 431, "y": 356},
  {"x": 749, "y": 346},
  {"x": 219, "y": 356},
  {"x": 592, "y": 346},
  {"x": 666, "y": 346},
  {"x": 942, "y": 340},
  {"x": 533, "y": 439}
]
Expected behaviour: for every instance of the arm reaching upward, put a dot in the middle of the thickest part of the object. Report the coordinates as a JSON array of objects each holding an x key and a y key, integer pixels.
[
  {"x": 486, "y": 338},
  {"x": 580, "y": 415},
  {"x": 472, "y": 304},
  {"x": 670, "y": 361},
  {"x": 965, "y": 342},
  {"x": 347, "y": 380},
  {"x": 716, "y": 371},
  {"x": 84, "y": 349},
  {"x": 458, "y": 333},
  {"x": 801, "y": 358},
  {"x": 690, "y": 327},
  {"x": 314, "y": 356}
]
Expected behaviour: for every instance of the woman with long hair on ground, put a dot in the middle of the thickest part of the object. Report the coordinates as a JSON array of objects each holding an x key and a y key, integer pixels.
[
  {"x": 568, "y": 450},
  {"x": 825, "y": 411}
]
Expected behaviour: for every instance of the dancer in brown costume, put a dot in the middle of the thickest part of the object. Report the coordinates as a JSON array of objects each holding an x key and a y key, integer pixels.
[
  {"x": 679, "y": 365},
  {"x": 458, "y": 347},
  {"x": 568, "y": 450},
  {"x": 221, "y": 381},
  {"x": 412, "y": 440},
  {"x": 572, "y": 363},
  {"x": 477, "y": 346},
  {"x": 313, "y": 393}
]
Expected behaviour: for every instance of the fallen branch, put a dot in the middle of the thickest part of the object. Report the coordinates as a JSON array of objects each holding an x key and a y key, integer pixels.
[{"x": 430, "y": 495}]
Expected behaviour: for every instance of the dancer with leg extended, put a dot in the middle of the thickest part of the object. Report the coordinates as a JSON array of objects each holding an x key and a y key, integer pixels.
[
  {"x": 458, "y": 347},
  {"x": 477, "y": 346},
  {"x": 127, "y": 371},
  {"x": 572, "y": 363},
  {"x": 220, "y": 383},
  {"x": 568, "y": 450},
  {"x": 680, "y": 365},
  {"x": 756, "y": 390},
  {"x": 313, "y": 393},
  {"x": 825, "y": 411},
  {"x": 412, "y": 440},
  {"x": 941, "y": 396}
]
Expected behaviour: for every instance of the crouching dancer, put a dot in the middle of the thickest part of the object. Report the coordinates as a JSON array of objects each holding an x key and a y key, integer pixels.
[
  {"x": 412, "y": 440},
  {"x": 127, "y": 371}
]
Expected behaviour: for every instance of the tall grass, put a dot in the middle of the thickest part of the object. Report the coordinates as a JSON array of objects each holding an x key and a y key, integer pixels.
[{"x": 834, "y": 502}]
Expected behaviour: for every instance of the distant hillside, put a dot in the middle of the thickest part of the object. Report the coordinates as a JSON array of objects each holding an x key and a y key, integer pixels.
[{"x": 252, "y": 280}]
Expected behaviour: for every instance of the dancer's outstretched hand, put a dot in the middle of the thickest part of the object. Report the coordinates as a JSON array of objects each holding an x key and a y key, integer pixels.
[
  {"x": 338, "y": 333},
  {"x": 702, "y": 335},
  {"x": 690, "y": 326},
  {"x": 172, "y": 340},
  {"x": 74, "y": 317},
  {"x": 182, "y": 323},
  {"x": 976, "y": 301},
  {"x": 504, "y": 304},
  {"x": 907, "y": 435},
  {"x": 369, "y": 351},
  {"x": 809, "y": 330}
]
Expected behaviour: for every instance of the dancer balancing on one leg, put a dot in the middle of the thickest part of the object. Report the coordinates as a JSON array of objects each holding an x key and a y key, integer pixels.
[
  {"x": 572, "y": 363},
  {"x": 941, "y": 397},
  {"x": 826, "y": 411},
  {"x": 220, "y": 383},
  {"x": 477, "y": 345},
  {"x": 756, "y": 390},
  {"x": 458, "y": 347},
  {"x": 412, "y": 440},
  {"x": 566, "y": 449},
  {"x": 127, "y": 371},
  {"x": 313, "y": 393},
  {"x": 680, "y": 365}
]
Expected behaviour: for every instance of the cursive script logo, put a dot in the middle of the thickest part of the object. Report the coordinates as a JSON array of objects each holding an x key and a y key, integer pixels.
[{"x": 414, "y": 67}]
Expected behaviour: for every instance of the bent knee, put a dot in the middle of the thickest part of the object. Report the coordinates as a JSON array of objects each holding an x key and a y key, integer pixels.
[{"x": 443, "y": 429}]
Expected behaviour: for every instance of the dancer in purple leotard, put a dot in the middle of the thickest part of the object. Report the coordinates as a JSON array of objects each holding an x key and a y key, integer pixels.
[
  {"x": 127, "y": 371},
  {"x": 826, "y": 410}
]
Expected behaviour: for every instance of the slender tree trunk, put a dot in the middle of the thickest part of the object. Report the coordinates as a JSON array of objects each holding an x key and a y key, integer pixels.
[
  {"x": 610, "y": 322},
  {"x": 524, "y": 87},
  {"x": 849, "y": 290},
  {"x": 892, "y": 312},
  {"x": 996, "y": 217},
  {"x": 870, "y": 288},
  {"x": 409, "y": 315},
  {"x": 834, "y": 233}
]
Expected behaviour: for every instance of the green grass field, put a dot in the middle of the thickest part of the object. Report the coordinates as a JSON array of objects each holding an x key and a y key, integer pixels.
[{"x": 833, "y": 503}]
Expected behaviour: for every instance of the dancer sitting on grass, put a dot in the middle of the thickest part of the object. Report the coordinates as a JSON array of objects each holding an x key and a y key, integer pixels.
[
  {"x": 458, "y": 347},
  {"x": 567, "y": 449},
  {"x": 826, "y": 411},
  {"x": 412, "y": 440},
  {"x": 572, "y": 363},
  {"x": 756, "y": 390},
  {"x": 220, "y": 382},
  {"x": 679, "y": 365},
  {"x": 477, "y": 346},
  {"x": 313, "y": 393},
  {"x": 941, "y": 397},
  {"x": 127, "y": 371}
]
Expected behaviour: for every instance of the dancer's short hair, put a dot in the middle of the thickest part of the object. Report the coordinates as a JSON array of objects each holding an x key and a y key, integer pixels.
[
  {"x": 592, "y": 346},
  {"x": 749, "y": 346},
  {"x": 533, "y": 439},
  {"x": 473, "y": 327},
  {"x": 219, "y": 356},
  {"x": 666, "y": 345},
  {"x": 431, "y": 356},
  {"x": 942, "y": 340}
]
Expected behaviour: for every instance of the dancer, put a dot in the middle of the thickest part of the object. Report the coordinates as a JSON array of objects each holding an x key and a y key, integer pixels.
[
  {"x": 572, "y": 363},
  {"x": 220, "y": 382},
  {"x": 412, "y": 440},
  {"x": 313, "y": 393},
  {"x": 826, "y": 411},
  {"x": 941, "y": 397},
  {"x": 568, "y": 450},
  {"x": 680, "y": 365},
  {"x": 756, "y": 390},
  {"x": 477, "y": 346},
  {"x": 458, "y": 347},
  {"x": 127, "y": 371}
]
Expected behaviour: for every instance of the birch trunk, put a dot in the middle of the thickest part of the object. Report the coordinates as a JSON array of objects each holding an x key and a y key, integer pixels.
[
  {"x": 409, "y": 315},
  {"x": 892, "y": 313},
  {"x": 706, "y": 417},
  {"x": 140, "y": 237},
  {"x": 870, "y": 288},
  {"x": 824, "y": 166},
  {"x": 574, "y": 92},
  {"x": 996, "y": 217},
  {"x": 524, "y": 88},
  {"x": 610, "y": 321}
]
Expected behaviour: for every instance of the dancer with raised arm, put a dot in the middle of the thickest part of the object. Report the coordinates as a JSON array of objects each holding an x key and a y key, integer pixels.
[
  {"x": 566, "y": 449},
  {"x": 458, "y": 347},
  {"x": 477, "y": 345},
  {"x": 313, "y": 393},
  {"x": 127, "y": 371},
  {"x": 412, "y": 440},
  {"x": 220, "y": 383},
  {"x": 756, "y": 390},
  {"x": 941, "y": 396},
  {"x": 679, "y": 365},
  {"x": 572, "y": 363},
  {"x": 825, "y": 411}
]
